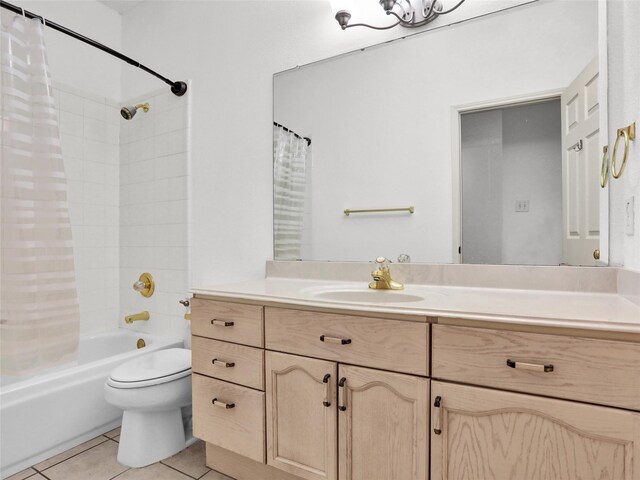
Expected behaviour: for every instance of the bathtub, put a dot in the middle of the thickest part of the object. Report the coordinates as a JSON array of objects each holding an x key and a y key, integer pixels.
[{"x": 45, "y": 414}]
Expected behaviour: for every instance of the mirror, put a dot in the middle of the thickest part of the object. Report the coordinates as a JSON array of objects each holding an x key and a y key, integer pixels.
[{"x": 475, "y": 143}]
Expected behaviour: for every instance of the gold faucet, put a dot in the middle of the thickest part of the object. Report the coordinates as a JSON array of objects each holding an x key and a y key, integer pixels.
[
  {"x": 136, "y": 316},
  {"x": 382, "y": 277}
]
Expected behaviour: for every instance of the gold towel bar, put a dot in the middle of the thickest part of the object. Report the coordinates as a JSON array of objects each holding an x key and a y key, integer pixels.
[
  {"x": 629, "y": 133},
  {"x": 348, "y": 211}
]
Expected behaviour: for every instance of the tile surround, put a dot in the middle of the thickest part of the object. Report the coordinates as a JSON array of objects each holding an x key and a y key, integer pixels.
[
  {"x": 128, "y": 190},
  {"x": 90, "y": 138},
  {"x": 154, "y": 210}
]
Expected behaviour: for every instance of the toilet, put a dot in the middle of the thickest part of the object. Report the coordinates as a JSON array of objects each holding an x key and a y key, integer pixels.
[{"x": 154, "y": 390}]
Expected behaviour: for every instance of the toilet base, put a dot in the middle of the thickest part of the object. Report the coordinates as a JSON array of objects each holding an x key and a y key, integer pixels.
[{"x": 148, "y": 437}]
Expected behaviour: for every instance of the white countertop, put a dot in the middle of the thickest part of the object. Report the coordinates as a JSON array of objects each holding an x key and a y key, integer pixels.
[{"x": 544, "y": 308}]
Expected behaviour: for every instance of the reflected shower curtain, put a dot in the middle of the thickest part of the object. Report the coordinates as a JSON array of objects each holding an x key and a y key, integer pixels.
[
  {"x": 289, "y": 190},
  {"x": 39, "y": 311}
]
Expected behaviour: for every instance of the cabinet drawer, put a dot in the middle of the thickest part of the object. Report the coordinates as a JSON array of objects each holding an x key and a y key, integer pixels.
[
  {"x": 596, "y": 371},
  {"x": 232, "y": 322},
  {"x": 229, "y": 361},
  {"x": 240, "y": 428},
  {"x": 372, "y": 342}
]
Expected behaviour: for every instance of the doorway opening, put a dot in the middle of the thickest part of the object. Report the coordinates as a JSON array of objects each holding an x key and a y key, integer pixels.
[{"x": 511, "y": 184}]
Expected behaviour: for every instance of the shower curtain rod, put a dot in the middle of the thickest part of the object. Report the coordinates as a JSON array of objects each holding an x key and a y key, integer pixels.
[
  {"x": 178, "y": 88},
  {"x": 294, "y": 133}
]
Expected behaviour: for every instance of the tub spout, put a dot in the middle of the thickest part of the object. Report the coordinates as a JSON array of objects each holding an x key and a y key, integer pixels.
[{"x": 136, "y": 316}]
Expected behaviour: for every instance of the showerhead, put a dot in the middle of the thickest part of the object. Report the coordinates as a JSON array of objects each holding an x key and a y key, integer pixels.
[{"x": 130, "y": 110}]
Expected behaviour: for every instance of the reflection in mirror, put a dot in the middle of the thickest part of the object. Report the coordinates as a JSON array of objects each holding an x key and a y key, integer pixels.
[{"x": 481, "y": 139}]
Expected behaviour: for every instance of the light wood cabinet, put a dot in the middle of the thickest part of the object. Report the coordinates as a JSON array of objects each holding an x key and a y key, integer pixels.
[
  {"x": 487, "y": 434},
  {"x": 229, "y": 416},
  {"x": 301, "y": 416},
  {"x": 231, "y": 322},
  {"x": 591, "y": 370},
  {"x": 382, "y": 421},
  {"x": 347, "y": 397},
  {"x": 399, "y": 346},
  {"x": 383, "y": 424}
]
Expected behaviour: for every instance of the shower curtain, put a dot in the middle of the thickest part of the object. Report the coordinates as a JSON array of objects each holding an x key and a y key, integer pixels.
[
  {"x": 39, "y": 311},
  {"x": 289, "y": 190}
]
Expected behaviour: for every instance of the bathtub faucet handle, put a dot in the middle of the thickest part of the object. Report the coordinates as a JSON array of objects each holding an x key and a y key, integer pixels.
[{"x": 184, "y": 302}]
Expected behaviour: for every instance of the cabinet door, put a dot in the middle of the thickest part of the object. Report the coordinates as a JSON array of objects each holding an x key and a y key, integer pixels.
[
  {"x": 492, "y": 435},
  {"x": 301, "y": 416},
  {"x": 383, "y": 425}
]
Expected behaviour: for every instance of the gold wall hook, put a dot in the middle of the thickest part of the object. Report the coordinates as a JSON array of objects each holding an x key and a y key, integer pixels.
[{"x": 629, "y": 134}]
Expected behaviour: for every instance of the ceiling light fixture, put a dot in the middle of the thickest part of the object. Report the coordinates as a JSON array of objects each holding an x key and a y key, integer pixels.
[{"x": 405, "y": 12}]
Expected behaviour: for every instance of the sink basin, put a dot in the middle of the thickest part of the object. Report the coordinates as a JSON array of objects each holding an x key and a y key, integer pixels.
[{"x": 368, "y": 296}]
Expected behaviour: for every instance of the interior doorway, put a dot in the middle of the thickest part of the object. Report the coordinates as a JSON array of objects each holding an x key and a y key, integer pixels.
[{"x": 511, "y": 184}]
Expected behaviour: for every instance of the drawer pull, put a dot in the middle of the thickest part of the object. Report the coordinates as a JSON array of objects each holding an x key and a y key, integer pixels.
[
  {"x": 342, "y": 399},
  {"x": 437, "y": 418},
  {"x": 222, "y": 363},
  {"x": 221, "y": 323},
  {"x": 327, "y": 393},
  {"x": 340, "y": 341},
  {"x": 536, "y": 367},
  {"x": 220, "y": 404}
]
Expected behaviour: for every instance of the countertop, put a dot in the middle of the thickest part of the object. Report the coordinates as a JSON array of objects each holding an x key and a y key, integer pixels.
[{"x": 608, "y": 312}]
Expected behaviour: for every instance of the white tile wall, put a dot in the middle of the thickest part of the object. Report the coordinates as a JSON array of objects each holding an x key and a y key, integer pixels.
[
  {"x": 89, "y": 130},
  {"x": 154, "y": 210}
]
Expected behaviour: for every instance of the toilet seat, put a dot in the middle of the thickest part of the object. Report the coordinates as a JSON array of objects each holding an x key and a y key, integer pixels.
[{"x": 154, "y": 368}]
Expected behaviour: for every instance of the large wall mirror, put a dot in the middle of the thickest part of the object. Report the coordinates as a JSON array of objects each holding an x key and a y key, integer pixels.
[{"x": 475, "y": 143}]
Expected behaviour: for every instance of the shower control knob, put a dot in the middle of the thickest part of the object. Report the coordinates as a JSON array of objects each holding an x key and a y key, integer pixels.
[{"x": 184, "y": 302}]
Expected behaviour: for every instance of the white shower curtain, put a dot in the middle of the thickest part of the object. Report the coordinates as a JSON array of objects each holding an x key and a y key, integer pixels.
[
  {"x": 39, "y": 311},
  {"x": 289, "y": 191}
]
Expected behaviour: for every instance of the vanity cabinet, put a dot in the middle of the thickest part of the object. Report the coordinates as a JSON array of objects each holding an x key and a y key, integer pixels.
[
  {"x": 479, "y": 433},
  {"x": 378, "y": 419},
  {"x": 302, "y": 416},
  {"x": 383, "y": 425},
  {"x": 288, "y": 394}
]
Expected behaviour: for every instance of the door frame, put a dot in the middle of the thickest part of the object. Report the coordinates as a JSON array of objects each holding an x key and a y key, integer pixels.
[{"x": 456, "y": 149}]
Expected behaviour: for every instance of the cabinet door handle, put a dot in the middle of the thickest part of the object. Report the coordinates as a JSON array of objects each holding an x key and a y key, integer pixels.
[
  {"x": 340, "y": 341},
  {"x": 221, "y": 323},
  {"x": 217, "y": 361},
  {"x": 536, "y": 367},
  {"x": 327, "y": 394},
  {"x": 220, "y": 404},
  {"x": 342, "y": 396},
  {"x": 437, "y": 417}
]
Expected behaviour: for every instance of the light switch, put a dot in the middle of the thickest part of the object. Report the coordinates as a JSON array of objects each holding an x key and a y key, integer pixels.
[{"x": 629, "y": 216}]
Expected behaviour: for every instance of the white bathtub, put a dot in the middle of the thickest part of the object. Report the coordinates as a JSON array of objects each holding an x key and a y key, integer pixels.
[{"x": 48, "y": 413}]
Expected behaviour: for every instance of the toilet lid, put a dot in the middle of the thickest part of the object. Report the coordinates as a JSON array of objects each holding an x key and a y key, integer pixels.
[{"x": 153, "y": 368}]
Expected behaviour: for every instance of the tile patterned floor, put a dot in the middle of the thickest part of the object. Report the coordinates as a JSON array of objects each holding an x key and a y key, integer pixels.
[{"x": 96, "y": 460}]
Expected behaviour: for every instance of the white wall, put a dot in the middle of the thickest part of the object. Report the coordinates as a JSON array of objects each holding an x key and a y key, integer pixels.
[
  {"x": 230, "y": 50},
  {"x": 532, "y": 161},
  {"x": 72, "y": 62},
  {"x": 624, "y": 108},
  {"x": 380, "y": 124},
  {"x": 481, "y": 192}
]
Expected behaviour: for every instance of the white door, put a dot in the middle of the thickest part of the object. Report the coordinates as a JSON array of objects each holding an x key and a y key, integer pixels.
[{"x": 581, "y": 168}]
